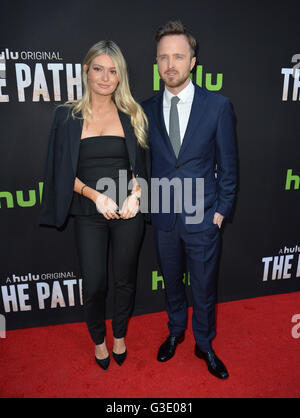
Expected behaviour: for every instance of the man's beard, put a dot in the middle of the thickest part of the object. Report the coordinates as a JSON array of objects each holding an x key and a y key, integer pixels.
[{"x": 175, "y": 83}]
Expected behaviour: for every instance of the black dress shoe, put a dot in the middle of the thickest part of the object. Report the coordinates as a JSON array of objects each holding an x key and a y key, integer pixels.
[
  {"x": 214, "y": 364},
  {"x": 167, "y": 349},
  {"x": 119, "y": 358},
  {"x": 104, "y": 363}
]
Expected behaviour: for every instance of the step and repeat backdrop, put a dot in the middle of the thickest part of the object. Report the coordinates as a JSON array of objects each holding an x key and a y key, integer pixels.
[{"x": 248, "y": 51}]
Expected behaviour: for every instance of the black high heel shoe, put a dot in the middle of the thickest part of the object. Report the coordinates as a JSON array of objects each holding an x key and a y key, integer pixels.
[
  {"x": 104, "y": 363},
  {"x": 119, "y": 358}
]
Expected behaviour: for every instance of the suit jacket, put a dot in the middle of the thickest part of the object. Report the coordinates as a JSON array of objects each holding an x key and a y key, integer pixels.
[
  {"x": 209, "y": 142},
  {"x": 62, "y": 162}
]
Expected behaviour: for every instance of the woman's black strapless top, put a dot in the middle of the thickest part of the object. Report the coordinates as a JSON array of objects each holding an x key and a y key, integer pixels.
[{"x": 102, "y": 157}]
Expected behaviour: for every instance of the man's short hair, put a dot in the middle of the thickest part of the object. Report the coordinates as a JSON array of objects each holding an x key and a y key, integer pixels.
[{"x": 175, "y": 27}]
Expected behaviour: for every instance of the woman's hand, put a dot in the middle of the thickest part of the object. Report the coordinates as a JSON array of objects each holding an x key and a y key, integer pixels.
[
  {"x": 107, "y": 207},
  {"x": 130, "y": 207}
]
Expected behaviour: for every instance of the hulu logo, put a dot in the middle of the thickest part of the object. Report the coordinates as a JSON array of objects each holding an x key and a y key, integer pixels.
[
  {"x": 17, "y": 198},
  {"x": 156, "y": 279},
  {"x": 292, "y": 179},
  {"x": 200, "y": 79}
]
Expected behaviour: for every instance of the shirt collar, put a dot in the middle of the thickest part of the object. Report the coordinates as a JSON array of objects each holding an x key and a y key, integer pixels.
[{"x": 185, "y": 95}]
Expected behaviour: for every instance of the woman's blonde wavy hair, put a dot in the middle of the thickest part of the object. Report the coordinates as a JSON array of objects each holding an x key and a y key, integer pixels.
[{"x": 122, "y": 96}]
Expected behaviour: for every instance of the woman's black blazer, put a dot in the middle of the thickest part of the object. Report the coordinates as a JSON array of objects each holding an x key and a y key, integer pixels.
[{"x": 62, "y": 161}]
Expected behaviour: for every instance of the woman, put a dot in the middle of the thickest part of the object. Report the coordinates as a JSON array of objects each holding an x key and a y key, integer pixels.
[{"x": 100, "y": 136}]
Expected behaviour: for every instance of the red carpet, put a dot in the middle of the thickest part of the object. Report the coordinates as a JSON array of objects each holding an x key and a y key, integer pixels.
[{"x": 254, "y": 340}]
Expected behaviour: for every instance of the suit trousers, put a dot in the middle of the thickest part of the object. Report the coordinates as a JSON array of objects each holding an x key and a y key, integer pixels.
[
  {"x": 93, "y": 234},
  {"x": 197, "y": 252}
]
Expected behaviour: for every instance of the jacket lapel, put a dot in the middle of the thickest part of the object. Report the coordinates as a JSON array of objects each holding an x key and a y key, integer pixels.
[
  {"x": 130, "y": 138},
  {"x": 196, "y": 117},
  {"x": 159, "y": 117},
  {"x": 75, "y": 130}
]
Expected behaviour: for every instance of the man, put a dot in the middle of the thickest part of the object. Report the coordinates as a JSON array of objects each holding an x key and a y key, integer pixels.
[{"x": 191, "y": 133}]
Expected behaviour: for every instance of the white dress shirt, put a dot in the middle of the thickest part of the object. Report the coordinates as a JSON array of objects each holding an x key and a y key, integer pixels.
[{"x": 184, "y": 106}]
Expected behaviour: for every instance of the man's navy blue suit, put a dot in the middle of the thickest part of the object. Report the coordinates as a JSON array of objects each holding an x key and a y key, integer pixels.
[{"x": 208, "y": 151}]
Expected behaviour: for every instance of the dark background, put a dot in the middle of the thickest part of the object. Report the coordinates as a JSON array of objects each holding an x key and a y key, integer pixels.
[{"x": 248, "y": 42}]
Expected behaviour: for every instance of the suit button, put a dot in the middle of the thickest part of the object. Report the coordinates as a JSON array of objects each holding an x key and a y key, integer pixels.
[{"x": 177, "y": 166}]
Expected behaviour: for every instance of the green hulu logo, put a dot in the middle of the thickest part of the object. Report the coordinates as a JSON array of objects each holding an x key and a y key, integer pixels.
[
  {"x": 200, "y": 79},
  {"x": 292, "y": 180},
  {"x": 32, "y": 197},
  {"x": 158, "y": 281}
]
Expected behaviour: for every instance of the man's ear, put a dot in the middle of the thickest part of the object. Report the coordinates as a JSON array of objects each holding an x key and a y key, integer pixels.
[{"x": 193, "y": 62}]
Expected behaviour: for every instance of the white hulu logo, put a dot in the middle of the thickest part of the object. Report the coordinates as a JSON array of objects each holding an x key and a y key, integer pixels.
[
  {"x": 2, "y": 68},
  {"x": 2, "y": 326}
]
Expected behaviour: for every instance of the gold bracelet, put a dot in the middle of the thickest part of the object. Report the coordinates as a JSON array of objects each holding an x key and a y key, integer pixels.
[{"x": 82, "y": 189}]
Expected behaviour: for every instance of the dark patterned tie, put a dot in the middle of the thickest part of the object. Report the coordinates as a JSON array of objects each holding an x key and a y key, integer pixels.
[{"x": 174, "y": 131}]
